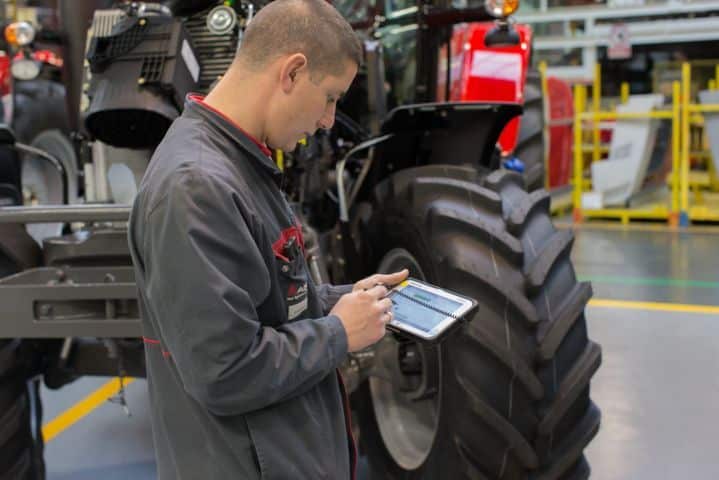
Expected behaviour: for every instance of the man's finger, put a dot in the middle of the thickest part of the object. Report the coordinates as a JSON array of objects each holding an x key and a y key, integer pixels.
[
  {"x": 378, "y": 291},
  {"x": 385, "y": 304},
  {"x": 391, "y": 278}
]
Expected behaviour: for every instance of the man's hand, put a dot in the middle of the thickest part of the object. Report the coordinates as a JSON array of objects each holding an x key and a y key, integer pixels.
[
  {"x": 388, "y": 279},
  {"x": 365, "y": 312}
]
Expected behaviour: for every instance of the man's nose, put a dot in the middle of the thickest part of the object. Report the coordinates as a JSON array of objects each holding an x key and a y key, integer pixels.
[{"x": 328, "y": 119}]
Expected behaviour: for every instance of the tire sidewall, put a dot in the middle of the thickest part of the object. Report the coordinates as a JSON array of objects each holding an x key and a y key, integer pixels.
[{"x": 399, "y": 231}]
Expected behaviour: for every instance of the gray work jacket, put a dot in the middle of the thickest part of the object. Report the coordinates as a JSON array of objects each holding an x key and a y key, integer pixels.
[{"x": 241, "y": 354}]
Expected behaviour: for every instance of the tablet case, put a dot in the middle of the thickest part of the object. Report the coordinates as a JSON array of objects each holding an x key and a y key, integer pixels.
[{"x": 462, "y": 318}]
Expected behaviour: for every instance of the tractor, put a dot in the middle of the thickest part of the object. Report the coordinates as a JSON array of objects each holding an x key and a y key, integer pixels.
[{"x": 413, "y": 175}]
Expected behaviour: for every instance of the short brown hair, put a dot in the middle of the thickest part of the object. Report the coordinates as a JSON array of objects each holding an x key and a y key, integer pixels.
[{"x": 311, "y": 27}]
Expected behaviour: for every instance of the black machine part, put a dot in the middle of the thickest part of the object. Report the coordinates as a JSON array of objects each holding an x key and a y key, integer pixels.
[
  {"x": 75, "y": 16},
  {"x": 141, "y": 73},
  {"x": 502, "y": 35},
  {"x": 188, "y": 7}
]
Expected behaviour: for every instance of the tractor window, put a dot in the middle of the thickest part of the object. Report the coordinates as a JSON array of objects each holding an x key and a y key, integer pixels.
[{"x": 399, "y": 45}]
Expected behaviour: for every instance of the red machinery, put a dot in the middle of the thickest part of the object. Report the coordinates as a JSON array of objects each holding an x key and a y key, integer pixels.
[{"x": 499, "y": 74}]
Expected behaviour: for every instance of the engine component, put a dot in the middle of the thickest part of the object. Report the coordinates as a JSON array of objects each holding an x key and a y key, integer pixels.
[
  {"x": 215, "y": 51},
  {"x": 141, "y": 73},
  {"x": 221, "y": 20},
  {"x": 188, "y": 7}
]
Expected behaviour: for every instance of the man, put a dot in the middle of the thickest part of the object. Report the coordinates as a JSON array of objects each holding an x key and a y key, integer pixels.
[{"x": 242, "y": 347}]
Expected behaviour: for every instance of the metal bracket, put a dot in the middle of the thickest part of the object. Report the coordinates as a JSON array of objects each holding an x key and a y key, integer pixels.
[{"x": 70, "y": 302}]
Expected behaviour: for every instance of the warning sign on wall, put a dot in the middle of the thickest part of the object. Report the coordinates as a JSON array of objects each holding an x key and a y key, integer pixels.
[{"x": 620, "y": 45}]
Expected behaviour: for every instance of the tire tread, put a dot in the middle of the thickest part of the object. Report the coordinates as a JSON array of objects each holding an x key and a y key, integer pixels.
[
  {"x": 571, "y": 386},
  {"x": 522, "y": 449}
]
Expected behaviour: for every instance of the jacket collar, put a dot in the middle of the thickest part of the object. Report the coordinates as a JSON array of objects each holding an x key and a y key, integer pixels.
[{"x": 195, "y": 107}]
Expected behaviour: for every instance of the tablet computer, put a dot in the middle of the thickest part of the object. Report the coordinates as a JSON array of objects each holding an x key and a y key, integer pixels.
[{"x": 426, "y": 312}]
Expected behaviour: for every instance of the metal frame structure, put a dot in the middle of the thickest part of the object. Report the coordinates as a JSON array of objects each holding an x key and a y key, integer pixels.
[
  {"x": 694, "y": 208},
  {"x": 647, "y": 25}
]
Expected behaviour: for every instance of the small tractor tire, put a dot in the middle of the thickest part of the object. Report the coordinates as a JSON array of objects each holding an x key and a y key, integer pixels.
[{"x": 507, "y": 395}]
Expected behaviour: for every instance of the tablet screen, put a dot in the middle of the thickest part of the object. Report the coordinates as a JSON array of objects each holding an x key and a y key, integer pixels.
[{"x": 409, "y": 307}]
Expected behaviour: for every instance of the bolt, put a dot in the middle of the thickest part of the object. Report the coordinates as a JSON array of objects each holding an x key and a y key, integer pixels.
[
  {"x": 46, "y": 310},
  {"x": 285, "y": 268},
  {"x": 61, "y": 275},
  {"x": 109, "y": 278}
]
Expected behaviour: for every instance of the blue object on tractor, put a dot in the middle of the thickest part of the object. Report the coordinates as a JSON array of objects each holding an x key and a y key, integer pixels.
[{"x": 514, "y": 164}]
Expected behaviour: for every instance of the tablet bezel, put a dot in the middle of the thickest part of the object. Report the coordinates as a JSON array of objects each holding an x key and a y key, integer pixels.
[{"x": 441, "y": 327}]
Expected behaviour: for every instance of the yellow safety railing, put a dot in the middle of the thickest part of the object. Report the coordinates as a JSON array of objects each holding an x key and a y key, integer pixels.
[
  {"x": 624, "y": 92},
  {"x": 596, "y": 107},
  {"x": 683, "y": 206},
  {"x": 694, "y": 210},
  {"x": 597, "y": 149},
  {"x": 596, "y": 116}
]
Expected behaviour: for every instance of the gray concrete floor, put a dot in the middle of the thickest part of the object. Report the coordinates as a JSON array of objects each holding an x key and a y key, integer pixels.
[{"x": 658, "y": 386}]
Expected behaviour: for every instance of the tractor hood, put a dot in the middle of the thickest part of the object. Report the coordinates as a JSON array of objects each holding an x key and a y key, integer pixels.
[{"x": 449, "y": 133}]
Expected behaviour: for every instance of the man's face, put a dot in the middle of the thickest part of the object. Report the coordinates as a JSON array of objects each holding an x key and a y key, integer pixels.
[{"x": 310, "y": 106}]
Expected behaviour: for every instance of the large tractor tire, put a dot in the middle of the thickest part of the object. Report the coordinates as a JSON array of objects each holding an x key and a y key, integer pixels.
[
  {"x": 21, "y": 455},
  {"x": 21, "y": 449},
  {"x": 507, "y": 395},
  {"x": 531, "y": 141}
]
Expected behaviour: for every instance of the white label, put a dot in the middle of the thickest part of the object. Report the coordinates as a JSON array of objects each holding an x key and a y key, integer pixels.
[
  {"x": 620, "y": 46},
  {"x": 296, "y": 309},
  {"x": 190, "y": 60},
  {"x": 501, "y": 65}
]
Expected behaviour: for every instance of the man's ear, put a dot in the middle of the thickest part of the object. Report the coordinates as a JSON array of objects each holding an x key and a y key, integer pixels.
[{"x": 291, "y": 67}]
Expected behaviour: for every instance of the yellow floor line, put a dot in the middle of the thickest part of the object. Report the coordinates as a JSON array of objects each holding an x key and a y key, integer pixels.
[
  {"x": 637, "y": 227},
  {"x": 657, "y": 306},
  {"x": 75, "y": 413}
]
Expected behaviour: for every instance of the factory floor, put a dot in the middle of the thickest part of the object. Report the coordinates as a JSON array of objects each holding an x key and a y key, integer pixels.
[{"x": 655, "y": 313}]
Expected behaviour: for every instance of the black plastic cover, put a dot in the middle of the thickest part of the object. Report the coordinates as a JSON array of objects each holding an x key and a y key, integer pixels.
[
  {"x": 444, "y": 133},
  {"x": 140, "y": 76},
  {"x": 188, "y": 7}
]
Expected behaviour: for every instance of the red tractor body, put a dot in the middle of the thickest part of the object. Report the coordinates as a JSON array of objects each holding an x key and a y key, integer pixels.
[
  {"x": 479, "y": 73},
  {"x": 483, "y": 74}
]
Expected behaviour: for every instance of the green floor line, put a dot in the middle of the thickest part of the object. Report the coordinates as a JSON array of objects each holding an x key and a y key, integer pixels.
[{"x": 657, "y": 282}]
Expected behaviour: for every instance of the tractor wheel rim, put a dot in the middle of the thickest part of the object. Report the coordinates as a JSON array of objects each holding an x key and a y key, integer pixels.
[{"x": 408, "y": 427}]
